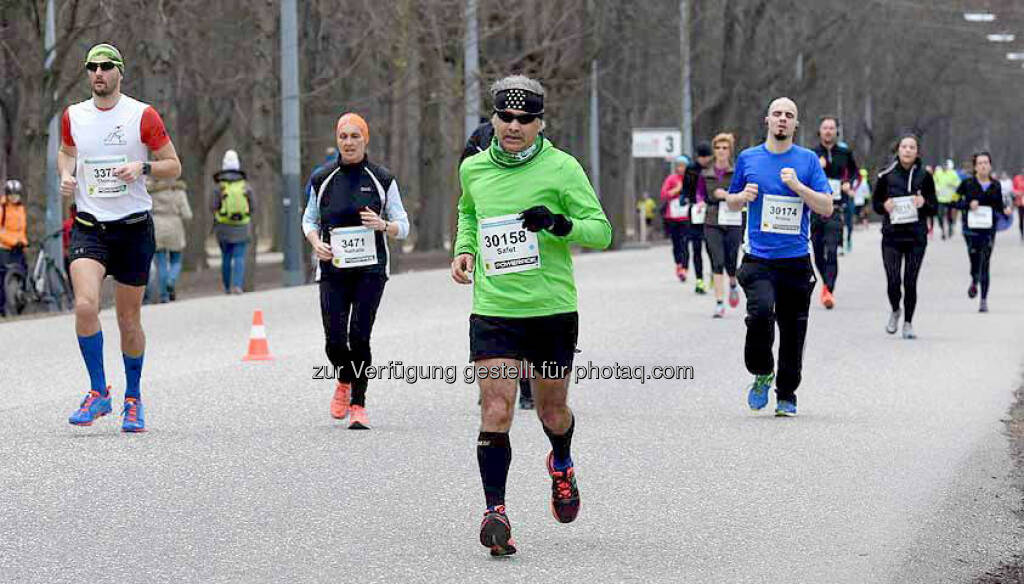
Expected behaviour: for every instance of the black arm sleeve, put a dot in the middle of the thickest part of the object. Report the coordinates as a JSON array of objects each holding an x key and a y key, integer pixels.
[
  {"x": 931, "y": 203},
  {"x": 994, "y": 197},
  {"x": 851, "y": 166},
  {"x": 880, "y": 196}
]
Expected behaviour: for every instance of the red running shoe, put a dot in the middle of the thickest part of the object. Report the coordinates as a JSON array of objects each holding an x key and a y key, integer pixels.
[
  {"x": 496, "y": 532},
  {"x": 565, "y": 497}
]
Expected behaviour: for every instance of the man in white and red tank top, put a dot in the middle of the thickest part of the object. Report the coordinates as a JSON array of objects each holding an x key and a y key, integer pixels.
[{"x": 106, "y": 143}]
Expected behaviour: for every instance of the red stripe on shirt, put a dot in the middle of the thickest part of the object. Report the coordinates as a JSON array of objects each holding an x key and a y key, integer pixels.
[
  {"x": 65, "y": 129},
  {"x": 154, "y": 134}
]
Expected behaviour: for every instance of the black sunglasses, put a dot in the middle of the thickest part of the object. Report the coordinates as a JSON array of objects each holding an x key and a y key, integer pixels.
[
  {"x": 524, "y": 119},
  {"x": 105, "y": 65}
]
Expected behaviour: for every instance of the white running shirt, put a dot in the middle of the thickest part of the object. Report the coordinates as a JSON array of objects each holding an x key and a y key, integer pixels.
[{"x": 106, "y": 139}]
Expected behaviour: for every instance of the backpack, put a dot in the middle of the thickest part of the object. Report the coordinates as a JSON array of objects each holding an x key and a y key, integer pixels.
[{"x": 234, "y": 206}]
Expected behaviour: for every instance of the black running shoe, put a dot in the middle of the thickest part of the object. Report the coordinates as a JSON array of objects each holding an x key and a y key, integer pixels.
[
  {"x": 496, "y": 532},
  {"x": 565, "y": 497}
]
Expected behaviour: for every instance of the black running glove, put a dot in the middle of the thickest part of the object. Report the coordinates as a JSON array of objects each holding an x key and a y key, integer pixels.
[{"x": 540, "y": 217}]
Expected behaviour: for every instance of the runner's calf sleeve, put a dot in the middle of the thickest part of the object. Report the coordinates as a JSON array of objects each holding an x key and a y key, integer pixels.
[
  {"x": 561, "y": 445},
  {"x": 92, "y": 354},
  {"x": 494, "y": 455},
  {"x": 132, "y": 375}
]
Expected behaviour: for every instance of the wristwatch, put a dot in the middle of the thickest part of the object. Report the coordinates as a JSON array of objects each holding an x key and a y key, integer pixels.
[{"x": 146, "y": 168}]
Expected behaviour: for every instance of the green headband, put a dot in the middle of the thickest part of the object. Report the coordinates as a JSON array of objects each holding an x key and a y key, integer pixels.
[{"x": 108, "y": 51}]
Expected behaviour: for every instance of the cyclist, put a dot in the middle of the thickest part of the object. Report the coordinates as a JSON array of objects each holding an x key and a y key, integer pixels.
[{"x": 13, "y": 234}]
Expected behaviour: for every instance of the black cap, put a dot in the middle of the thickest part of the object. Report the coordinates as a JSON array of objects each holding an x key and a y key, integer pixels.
[{"x": 703, "y": 149}]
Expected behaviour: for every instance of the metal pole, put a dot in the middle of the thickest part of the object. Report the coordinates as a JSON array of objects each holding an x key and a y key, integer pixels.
[
  {"x": 868, "y": 112},
  {"x": 799, "y": 80},
  {"x": 684, "y": 48},
  {"x": 595, "y": 132},
  {"x": 54, "y": 207},
  {"x": 839, "y": 111},
  {"x": 291, "y": 147},
  {"x": 471, "y": 69}
]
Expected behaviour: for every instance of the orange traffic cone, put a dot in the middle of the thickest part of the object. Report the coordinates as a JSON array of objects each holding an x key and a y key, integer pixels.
[{"x": 258, "y": 348}]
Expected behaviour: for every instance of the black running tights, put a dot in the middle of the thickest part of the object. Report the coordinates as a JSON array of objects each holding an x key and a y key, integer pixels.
[
  {"x": 902, "y": 260},
  {"x": 979, "y": 249},
  {"x": 348, "y": 306}
]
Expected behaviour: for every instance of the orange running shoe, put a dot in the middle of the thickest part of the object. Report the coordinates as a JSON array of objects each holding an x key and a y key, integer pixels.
[
  {"x": 681, "y": 273},
  {"x": 340, "y": 401},
  {"x": 826, "y": 297},
  {"x": 358, "y": 419}
]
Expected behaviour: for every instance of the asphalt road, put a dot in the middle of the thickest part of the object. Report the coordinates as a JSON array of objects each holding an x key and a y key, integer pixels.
[{"x": 896, "y": 470}]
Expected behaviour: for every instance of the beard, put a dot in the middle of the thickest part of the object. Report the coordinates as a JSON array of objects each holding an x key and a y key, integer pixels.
[
  {"x": 781, "y": 135},
  {"x": 106, "y": 90}
]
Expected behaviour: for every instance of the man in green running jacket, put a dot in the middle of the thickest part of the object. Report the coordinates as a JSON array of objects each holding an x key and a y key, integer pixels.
[{"x": 523, "y": 203}]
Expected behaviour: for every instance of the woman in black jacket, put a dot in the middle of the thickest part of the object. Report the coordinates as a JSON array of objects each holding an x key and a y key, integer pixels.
[
  {"x": 980, "y": 199},
  {"x": 905, "y": 197},
  {"x": 354, "y": 207}
]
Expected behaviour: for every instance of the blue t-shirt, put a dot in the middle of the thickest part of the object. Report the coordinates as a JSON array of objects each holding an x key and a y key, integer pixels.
[{"x": 759, "y": 166}]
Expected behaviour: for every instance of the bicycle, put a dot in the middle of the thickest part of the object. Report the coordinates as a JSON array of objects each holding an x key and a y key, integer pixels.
[{"x": 46, "y": 284}]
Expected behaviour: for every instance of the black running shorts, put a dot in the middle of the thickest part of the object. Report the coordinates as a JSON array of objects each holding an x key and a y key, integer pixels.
[
  {"x": 125, "y": 247},
  {"x": 537, "y": 339}
]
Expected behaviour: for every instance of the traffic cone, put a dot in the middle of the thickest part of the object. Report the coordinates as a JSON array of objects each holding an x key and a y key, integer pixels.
[{"x": 258, "y": 348}]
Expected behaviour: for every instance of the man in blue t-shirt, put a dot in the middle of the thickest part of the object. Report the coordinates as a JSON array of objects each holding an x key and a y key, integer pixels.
[{"x": 780, "y": 183}]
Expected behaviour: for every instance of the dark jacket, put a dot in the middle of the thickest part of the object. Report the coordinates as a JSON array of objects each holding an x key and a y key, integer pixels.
[
  {"x": 479, "y": 141},
  {"x": 839, "y": 165},
  {"x": 970, "y": 190},
  {"x": 896, "y": 181},
  {"x": 347, "y": 188},
  {"x": 712, "y": 183}
]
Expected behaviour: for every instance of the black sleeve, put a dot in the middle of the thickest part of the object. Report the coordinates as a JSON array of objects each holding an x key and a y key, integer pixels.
[
  {"x": 880, "y": 196},
  {"x": 994, "y": 197},
  {"x": 851, "y": 166},
  {"x": 961, "y": 189},
  {"x": 690, "y": 181},
  {"x": 931, "y": 203},
  {"x": 469, "y": 150}
]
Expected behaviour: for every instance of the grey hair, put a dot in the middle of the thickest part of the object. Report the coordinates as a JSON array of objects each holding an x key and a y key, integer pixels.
[{"x": 517, "y": 82}]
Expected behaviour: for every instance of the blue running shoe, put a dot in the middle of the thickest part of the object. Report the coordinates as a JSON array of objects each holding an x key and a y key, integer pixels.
[
  {"x": 93, "y": 406},
  {"x": 785, "y": 408},
  {"x": 133, "y": 416},
  {"x": 757, "y": 397}
]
